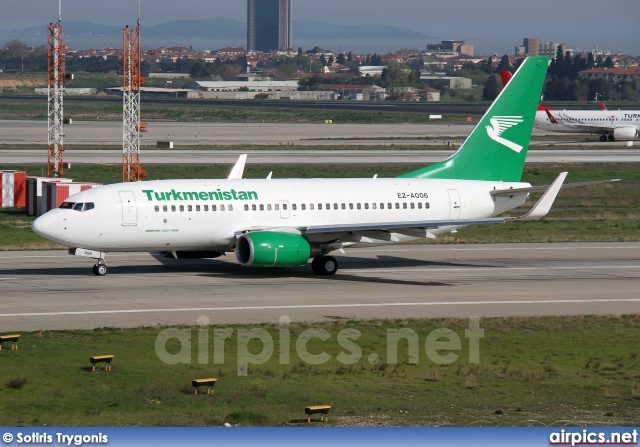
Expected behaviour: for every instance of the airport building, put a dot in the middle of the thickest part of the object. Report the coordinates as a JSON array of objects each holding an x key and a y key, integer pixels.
[{"x": 268, "y": 25}]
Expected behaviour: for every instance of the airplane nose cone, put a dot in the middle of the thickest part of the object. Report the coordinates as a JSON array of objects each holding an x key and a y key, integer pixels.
[{"x": 46, "y": 225}]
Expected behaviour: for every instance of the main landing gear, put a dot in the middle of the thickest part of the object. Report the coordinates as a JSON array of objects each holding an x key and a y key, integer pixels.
[
  {"x": 100, "y": 269},
  {"x": 324, "y": 265},
  {"x": 605, "y": 137}
]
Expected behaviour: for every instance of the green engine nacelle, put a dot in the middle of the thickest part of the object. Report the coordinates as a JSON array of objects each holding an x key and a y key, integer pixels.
[{"x": 273, "y": 249}]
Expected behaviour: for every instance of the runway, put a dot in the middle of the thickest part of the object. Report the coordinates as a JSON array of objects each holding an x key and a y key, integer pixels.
[
  {"x": 51, "y": 290},
  {"x": 303, "y": 157}
]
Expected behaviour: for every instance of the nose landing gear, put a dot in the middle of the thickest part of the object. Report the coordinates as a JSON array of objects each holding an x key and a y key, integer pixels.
[{"x": 100, "y": 269}]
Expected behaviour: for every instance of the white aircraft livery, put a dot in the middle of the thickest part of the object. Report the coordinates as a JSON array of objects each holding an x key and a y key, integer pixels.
[
  {"x": 285, "y": 223},
  {"x": 612, "y": 125}
]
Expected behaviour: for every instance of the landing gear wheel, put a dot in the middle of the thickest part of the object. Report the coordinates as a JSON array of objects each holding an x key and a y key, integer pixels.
[
  {"x": 100, "y": 269},
  {"x": 611, "y": 137},
  {"x": 603, "y": 138},
  {"x": 324, "y": 265}
]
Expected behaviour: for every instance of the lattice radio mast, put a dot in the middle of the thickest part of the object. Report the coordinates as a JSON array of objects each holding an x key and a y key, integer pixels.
[
  {"x": 55, "y": 94},
  {"x": 131, "y": 124}
]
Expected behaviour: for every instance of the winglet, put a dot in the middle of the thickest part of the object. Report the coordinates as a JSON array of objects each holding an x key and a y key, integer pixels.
[
  {"x": 543, "y": 206},
  {"x": 238, "y": 169},
  {"x": 551, "y": 118}
]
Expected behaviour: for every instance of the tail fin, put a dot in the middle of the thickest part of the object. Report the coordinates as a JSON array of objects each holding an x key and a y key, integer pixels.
[{"x": 497, "y": 147}]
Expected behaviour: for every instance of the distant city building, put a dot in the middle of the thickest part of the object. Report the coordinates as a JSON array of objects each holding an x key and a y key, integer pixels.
[
  {"x": 530, "y": 47},
  {"x": 459, "y": 46},
  {"x": 631, "y": 75},
  {"x": 268, "y": 25},
  {"x": 533, "y": 47}
]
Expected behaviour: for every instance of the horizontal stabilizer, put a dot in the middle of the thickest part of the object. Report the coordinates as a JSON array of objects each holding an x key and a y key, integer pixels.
[{"x": 510, "y": 192}]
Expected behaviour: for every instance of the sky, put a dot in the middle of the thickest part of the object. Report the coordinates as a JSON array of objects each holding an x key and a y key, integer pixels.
[{"x": 494, "y": 26}]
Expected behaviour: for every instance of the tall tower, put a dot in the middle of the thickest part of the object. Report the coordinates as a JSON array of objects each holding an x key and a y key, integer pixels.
[
  {"x": 131, "y": 124},
  {"x": 268, "y": 24},
  {"x": 55, "y": 94}
]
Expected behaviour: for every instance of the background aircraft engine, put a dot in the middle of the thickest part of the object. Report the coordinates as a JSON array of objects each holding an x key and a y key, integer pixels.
[
  {"x": 625, "y": 133},
  {"x": 273, "y": 249}
]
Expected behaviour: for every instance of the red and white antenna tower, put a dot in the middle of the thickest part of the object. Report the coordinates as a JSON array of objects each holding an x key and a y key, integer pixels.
[
  {"x": 131, "y": 124},
  {"x": 55, "y": 95}
]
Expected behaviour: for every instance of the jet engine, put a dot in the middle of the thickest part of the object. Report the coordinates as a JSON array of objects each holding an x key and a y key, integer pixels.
[
  {"x": 625, "y": 133},
  {"x": 274, "y": 249}
]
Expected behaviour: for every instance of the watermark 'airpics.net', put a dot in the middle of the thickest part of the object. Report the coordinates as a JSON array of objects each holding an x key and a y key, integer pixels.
[{"x": 441, "y": 346}]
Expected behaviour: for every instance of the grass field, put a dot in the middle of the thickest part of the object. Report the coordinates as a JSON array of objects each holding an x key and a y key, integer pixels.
[
  {"x": 604, "y": 213},
  {"x": 551, "y": 371}
]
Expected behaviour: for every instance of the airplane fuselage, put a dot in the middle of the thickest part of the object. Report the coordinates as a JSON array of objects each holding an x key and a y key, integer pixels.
[
  {"x": 198, "y": 215},
  {"x": 589, "y": 121}
]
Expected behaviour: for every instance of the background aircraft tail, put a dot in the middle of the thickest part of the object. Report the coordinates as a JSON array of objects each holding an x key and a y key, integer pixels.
[{"x": 497, "y": 147}]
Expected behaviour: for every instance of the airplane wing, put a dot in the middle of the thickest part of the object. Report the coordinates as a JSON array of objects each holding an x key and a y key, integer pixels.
[{"x": 421, "y": 227}]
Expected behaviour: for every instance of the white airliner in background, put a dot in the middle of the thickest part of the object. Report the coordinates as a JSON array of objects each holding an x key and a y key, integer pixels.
[
  {"x": 611, "y": 125},
  {"x": 285, "y": 223}
]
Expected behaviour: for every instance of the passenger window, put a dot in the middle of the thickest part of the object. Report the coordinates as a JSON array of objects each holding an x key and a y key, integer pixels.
[
  {"x": 335, "y": 206},
  {"x": 253, "y": 207},
  {"x": 351, "y": 206},
  {"x": 206, "y": 207},
  {"x": 230, "y": 207},
  {"x": 261, "y": 207},
  {"x": 389, "y": 205},
  {"x": 268, "y": 207},
  {"x": 358, "y": 206},
  {"x": 397, "y": 206},
  {"x": 413, "y": 205},
  {"x": 197, "y": 207},
  {"x": 181, "y": 208},
  {"x": 276, "y": 207},
  {"x": 214, "y": 207},
  {"x": 366, "y": 206},
  {"x": 189, "y": 208},
  {"x": 173, "y": 208},
  {"x": 285, "y": 207},
  {"x": 319, "y": 206},
  {"x": 78, "y": 206},
  {"x": 89, "y": 206},
  {"x": 419, "y": 205},
  {"x": 328, "y": 206},
  {"x": 165, "y": 208},
  {"x": 246, "y": 207},
  {"x": 344, "y": 206},
  {"x": 303, "y": 207},
  {"x": 157, "y": 208},
  {"x": 426, "y": 206},
  {"x": 294, "y": 206},
  {"x": 404, "y": 205},
  {"x": 381, "y": 206},
  {"x": 373, "y": 205},
  {"x": 311, "y": 206}
]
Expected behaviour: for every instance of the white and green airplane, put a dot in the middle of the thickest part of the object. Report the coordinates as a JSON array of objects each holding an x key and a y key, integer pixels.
[{"x": 285, "y": 223}]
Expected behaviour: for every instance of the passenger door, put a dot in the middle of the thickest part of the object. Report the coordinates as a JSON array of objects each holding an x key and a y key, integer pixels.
[{"x": 129, "y": 208}]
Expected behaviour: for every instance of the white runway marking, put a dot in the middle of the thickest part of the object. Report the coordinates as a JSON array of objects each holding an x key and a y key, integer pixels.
[
  {"x": 319, "y": 306},
  {"x": 484, "y": 269}
]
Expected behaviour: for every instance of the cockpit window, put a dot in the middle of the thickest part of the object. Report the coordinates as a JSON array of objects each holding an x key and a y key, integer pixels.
[{"x": 78, "y": 206}]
